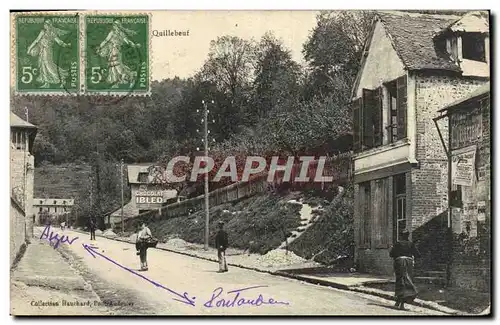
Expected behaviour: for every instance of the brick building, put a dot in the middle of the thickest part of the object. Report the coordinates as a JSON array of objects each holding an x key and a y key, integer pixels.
[
  {"x": 22, "y": 136},
  {"x": 413, "y": 65},
  {"x": 468, "y": 146}
]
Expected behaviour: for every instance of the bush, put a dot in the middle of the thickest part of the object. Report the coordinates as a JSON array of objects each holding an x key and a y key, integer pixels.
[{"x": 332, "y": 235}]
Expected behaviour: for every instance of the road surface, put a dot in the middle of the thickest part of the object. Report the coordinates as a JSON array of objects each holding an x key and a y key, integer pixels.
[{"x": 112, "y": 268}]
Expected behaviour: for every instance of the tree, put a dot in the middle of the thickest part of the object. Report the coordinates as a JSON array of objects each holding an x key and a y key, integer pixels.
[
  {"x": 333, "y": 52},
  {"x": 230, "y": 65},
  {"x": 277, "y": 76}
]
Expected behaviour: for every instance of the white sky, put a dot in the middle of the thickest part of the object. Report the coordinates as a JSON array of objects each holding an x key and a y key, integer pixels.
[{"x": 184, "y": 55}]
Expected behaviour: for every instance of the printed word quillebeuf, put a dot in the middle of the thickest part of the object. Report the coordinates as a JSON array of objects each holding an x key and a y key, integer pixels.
[
  {"x": 54, "y": 237},
  {"x": 235, "y": 299}
]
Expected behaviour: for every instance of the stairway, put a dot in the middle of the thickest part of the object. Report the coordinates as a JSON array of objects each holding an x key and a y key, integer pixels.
[
  {"x": 436, "y": 276},
  {"x": 307, "y": 218}
]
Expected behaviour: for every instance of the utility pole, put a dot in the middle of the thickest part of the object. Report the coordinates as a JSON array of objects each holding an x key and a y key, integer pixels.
[
  {"x": 205, "y": 142},
  {"x": 121, "y": 182},
  {"x": 207, "y": 212}
]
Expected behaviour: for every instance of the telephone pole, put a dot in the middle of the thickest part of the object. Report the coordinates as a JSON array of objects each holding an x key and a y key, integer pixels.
[
  {"x": 207, "y": 212},
  {"x": 121, "y": 182}
]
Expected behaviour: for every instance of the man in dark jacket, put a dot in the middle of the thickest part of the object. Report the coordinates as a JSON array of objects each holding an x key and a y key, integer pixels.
[
  {"x": 221, "y": 242},
  {"x": 92, "y": 226}
]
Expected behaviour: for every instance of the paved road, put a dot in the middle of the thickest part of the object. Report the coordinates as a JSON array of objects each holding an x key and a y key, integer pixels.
[{"x": 149, "y": 291}]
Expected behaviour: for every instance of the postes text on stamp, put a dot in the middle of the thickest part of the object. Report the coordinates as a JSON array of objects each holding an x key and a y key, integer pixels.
[
  {"x": 117, "y": 54},
  {"x": 47, "y": 54}
]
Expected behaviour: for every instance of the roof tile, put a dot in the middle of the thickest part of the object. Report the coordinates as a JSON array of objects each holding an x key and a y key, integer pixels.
[{"x": 412, "y": 36}]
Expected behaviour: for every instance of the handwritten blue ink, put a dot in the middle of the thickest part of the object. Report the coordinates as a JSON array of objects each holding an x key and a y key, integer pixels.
[
  {"x": 54, "y": 237},
  {"x": 185, "y": 297},
  {"x": 238, "y": 300}
]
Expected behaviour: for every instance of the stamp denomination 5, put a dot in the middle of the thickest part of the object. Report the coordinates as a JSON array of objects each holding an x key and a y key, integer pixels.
[
  {"x": 117, "y": 54},
  {"x": 47, "y": 54}
]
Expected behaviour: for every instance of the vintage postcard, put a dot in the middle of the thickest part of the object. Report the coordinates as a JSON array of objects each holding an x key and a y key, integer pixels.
[{"x": 293, "y": 163}]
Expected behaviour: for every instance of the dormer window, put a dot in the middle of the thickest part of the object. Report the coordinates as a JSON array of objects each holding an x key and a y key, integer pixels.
[{"x": 473, "y": 47}]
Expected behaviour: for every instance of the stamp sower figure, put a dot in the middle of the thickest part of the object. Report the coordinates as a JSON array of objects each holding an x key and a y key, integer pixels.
[
  {"x": 142, "y": 237},
  {"x": 92, "y": 226},
  {"x": 403, "y": 253},
  {"x": 111, "y": 50},
  {"x": 43, "y": 48},
  {"x": 221, "y": 242}
]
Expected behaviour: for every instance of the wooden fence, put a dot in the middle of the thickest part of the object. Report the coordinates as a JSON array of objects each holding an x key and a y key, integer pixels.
[{"x": 337, "y": 167}]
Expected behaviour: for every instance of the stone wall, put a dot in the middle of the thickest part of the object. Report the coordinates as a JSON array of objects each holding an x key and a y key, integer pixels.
[
  {"x": 22, "y": 181},
  {"x": 17, "y": 229}
]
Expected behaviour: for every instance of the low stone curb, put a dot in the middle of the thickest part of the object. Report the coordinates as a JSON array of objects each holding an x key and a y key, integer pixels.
[{"x": 356, "y": 288}]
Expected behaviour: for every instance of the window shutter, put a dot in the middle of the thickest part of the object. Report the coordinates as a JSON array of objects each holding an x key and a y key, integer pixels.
[
  {"x": 377, "y": 117},
  {"x": 401, "y": 102},
  {"x": 368, "y": 108},
  {"x": 357, "y": 124}
]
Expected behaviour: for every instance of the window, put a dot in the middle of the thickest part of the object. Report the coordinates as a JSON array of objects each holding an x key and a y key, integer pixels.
[
  {"x": 473, "y": 47},
  {"x": 40, "y": 209},
  {"x": 64, "y": 202},
  {"x": 365, "y": 214},
  {"x": 367, "y": 113},
  {"x": 396, "y": 102},
  {"x": 18, "y": 139},
  {"x": 65, "y": 209},
  {"x": 41, "y": 202},
  {"x": 143, "y": 178},
  {"x": 55, "y": 209},
  {"x": 393, "y": 112},
  {"x": 399, "y": 205}
]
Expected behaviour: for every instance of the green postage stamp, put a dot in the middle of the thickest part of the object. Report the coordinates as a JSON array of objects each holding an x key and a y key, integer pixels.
[
  {"x": 47, "y": 54},
  {"x": 116, "y": 51}
]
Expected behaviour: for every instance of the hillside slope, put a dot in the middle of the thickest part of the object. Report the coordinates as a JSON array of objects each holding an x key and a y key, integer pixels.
[
  {"x": 262, "y": 222},
  {"x": 61, "y": 181}
]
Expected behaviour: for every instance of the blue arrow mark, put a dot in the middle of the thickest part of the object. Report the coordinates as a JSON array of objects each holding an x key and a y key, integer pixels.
[{"x": 183, "y": 298}]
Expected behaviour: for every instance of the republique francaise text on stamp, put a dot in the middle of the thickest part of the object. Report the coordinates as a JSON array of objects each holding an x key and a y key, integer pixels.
[
  {"x": 47, "y": 54},
  {"x": 117, "y": 54}
]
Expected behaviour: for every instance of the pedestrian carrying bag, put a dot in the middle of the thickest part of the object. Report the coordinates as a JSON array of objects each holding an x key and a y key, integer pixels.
[{"x": 151, "y": 242}]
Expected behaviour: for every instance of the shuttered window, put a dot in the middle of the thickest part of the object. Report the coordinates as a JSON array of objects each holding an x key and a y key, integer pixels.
[
  {"x": 380, "y": 212},
  {"x": 365, "y": 215},
  {"x": 377, "y": 117},
  {"x": 357, "y": 124},
  {"x": 397, "y": 93},
  {"x": 368, "y": 113},
  {"x": 402, "y": 106}
]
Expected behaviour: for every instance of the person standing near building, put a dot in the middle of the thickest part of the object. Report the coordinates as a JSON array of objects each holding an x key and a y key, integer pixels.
[
  {"x": 403, "y": 253},
  {"x": 221, "y": 242},
  {"x": 92, "y": 226},
  {"x": 142, "y": 238}
]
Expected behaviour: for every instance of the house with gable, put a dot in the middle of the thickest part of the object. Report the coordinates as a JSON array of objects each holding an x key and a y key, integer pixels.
[{"x": 413, "y": 65}]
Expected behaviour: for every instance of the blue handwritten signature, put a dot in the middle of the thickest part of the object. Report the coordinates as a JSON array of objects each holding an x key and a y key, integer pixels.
[
  {"x": 238, "y": 300},
  {"x": 54, "y": 237},
  {"x": 184, "y": 298}
]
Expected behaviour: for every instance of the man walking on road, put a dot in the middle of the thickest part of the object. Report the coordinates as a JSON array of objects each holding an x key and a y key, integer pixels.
[
  {"x": 221, "y": 242},
  {"x": 142, "y": 238},
  {"x": 92, "y": 226}
]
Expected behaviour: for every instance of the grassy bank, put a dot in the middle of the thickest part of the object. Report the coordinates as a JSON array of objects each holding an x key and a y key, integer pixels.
[{"x": 259, "y": 223}]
